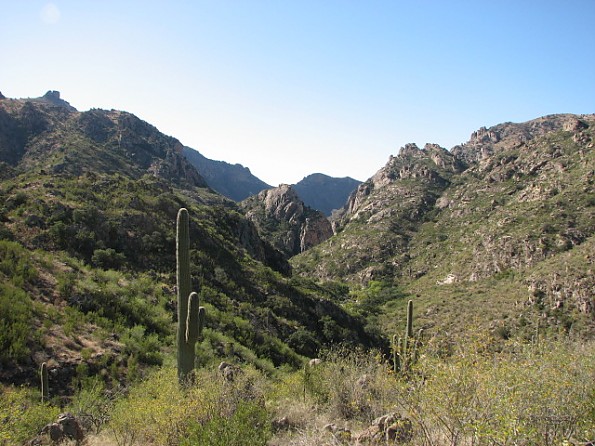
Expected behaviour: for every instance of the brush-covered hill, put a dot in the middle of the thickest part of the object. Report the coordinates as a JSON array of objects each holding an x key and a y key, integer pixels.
[
  {"x": 87, "y": 255},
  {"x": 497, "y": 231}
]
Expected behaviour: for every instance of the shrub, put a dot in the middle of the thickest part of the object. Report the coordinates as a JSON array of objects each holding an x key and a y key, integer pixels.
[
  {"x": 247, "y": 425},
  {"x": 15, "y": 323},
  {"x": 23, "y": 415},
  {"x": 158, "y": 411},
  {"x": 525, "y": 395},
  {"x": 107, "y": 258}
]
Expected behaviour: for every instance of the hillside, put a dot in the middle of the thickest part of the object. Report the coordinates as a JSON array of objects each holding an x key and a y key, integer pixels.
[
  {"x": 234, "y": 181},
  {"x": 87, "y": 254},
  {"x": 492, "y": 242},
  {"x": 498, "y": 231},
  {"x": 325, "y": 193}
]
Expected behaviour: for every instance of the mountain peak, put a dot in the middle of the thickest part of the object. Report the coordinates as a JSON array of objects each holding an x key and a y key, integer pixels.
[{"x": 53, "y": 97}]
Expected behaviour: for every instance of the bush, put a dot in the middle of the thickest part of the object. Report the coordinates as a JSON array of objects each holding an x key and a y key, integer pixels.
[
  {"x": 157, "y": 411},
  {"x": 23, "y": 415},
  {"x": 248, "y": 425},
  {"x": 15, "y": 323},
  {"x": 107, "y": 258},
  {"x": 525, "y": 395}
]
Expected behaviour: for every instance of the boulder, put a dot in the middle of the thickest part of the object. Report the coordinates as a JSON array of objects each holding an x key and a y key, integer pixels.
[{"x": 387, "y": 429}]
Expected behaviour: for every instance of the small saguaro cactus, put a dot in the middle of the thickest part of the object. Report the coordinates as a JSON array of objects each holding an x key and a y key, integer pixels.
[
  {"x": 190, "y": 314},
  {"x": 45, "y": 389},
  {"x": 405, "y": 349}
]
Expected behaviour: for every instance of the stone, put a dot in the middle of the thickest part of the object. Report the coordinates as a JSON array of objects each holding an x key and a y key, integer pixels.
[
  {"x": 54, "y": 431},
  {"x": 280, "y": 424},
  {"x": 228, "y": 371},
  {"x": 70, "y": 426},
  {"x": 387, "y": 429}
]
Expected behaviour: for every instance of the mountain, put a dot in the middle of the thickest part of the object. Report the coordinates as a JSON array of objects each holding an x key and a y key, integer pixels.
[
  {"x": 325, "y": 193},
  {"x": 498, "y": 230},
  {"x": 234, "y": 181},
  {"x": 87, "y": 255},
  {"x": 282, "y": 218},
  {"x": 48, "y": 134}
]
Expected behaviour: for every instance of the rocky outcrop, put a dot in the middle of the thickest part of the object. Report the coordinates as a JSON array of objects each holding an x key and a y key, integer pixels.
[
  {"x": 53, "y": 97},
  {"x": 283, "y": 219},
  {"x": 432, "y": 165},
  {"x": 486, "y": 142}
]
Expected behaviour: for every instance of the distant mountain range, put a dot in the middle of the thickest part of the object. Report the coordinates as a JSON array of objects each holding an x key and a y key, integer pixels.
[
  {"x": 232, "y": 180},
  {"x": 318, "y": 191},
  {"x": 325, "y": 193}
]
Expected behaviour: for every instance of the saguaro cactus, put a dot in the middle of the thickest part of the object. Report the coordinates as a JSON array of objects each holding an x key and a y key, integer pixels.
[
  {"x": 190, "y": 314},
  {"x": 405, "y": 349},
  {"x": 45, "y": 388}
]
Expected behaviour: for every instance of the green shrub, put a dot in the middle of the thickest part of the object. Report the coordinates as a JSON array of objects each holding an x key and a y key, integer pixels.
[
  {"x": 157, "y": 411},
  {"x": 247, "y": 425},
  {"x": 15, "y": 323},
  {"x": 525, "y": 395},
  {"x": 107, "y": 258},
  {"x": 23, "y": 415}
]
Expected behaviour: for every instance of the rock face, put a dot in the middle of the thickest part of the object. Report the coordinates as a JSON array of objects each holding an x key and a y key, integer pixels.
[{"x": 283, "y": 219}]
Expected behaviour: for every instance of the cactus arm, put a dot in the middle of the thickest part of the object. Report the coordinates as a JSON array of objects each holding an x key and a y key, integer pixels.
[{"x": 192, "y": 323}]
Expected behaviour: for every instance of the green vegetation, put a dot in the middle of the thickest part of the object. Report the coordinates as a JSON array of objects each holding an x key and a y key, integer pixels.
[
  {"x": 497, "y": 257},
  {"x": 483, "y": 394}
]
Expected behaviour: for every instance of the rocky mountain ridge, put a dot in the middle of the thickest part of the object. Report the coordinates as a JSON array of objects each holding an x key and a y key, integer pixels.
[
  {"x": 510, "y": 201},
  {"x": 283, "y": 219},
  {"x": 234, "y": 181},
  {"x": 325, "y": 193},
  {"x": 42, "y": 132}
]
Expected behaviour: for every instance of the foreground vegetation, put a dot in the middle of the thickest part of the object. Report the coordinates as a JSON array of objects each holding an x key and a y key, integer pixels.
[{"x": 485, "y": 393}]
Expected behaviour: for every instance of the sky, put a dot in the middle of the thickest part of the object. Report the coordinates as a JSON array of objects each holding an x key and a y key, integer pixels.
[{"x": 290, "y": 88}]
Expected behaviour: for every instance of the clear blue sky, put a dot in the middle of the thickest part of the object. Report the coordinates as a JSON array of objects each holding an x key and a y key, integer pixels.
[{"x": 289, "y": 88}]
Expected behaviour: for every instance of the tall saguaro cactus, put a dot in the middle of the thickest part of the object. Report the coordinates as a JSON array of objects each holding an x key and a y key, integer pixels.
[
  {"x": 45, "y": 388},
  {"x": 405, "y": 349},
  {"x": 190, "y": 314}
]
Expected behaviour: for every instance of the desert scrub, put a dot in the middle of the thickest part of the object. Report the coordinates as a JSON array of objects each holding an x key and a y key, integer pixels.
[
  {"x": 16, "y": 311},
  {"x": 158, "y": 411},
  {"x": 23, "y": 414},
  {"x": 350, "y": 385},
  {"x": 525, "y": 395}
]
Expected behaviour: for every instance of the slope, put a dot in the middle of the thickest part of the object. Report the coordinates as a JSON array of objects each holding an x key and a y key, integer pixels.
[
  {"x": 234, "y": 181},
  {"x": 87, "y": 253},
  {"x": 498, "y": 231}
]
